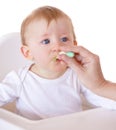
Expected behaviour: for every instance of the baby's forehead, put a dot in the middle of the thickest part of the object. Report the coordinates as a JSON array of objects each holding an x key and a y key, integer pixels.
[
  {"x": 47, "y": 22},
  {"x": 41, "y": 27}
]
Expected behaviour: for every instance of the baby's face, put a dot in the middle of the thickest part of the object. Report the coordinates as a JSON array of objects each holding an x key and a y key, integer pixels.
[{"x": 44, "y": 42}]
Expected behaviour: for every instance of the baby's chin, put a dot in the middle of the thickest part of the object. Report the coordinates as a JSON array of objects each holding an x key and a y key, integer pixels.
[
  {"x": 62, "y": 68},
  {"x": 60, "y": 71}
]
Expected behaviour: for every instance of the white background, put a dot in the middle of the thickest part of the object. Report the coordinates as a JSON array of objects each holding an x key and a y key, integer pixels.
[{"x": 94, "y": 22}]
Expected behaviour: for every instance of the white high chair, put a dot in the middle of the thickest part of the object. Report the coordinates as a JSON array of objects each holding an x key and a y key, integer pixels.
[{"x": 10, "y": 57}]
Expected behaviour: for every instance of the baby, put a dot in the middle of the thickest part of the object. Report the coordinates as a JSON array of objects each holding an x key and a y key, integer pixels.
[{"x": 47, "y": 87}]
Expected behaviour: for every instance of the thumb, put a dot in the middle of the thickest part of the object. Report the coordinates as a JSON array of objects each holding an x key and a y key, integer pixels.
[{"x": 73, "y": 63}]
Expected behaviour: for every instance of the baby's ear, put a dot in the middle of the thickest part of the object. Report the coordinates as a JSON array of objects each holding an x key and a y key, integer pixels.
[
  {"x": 26, "y": 52},
  {"x": 75, "y": 42}
]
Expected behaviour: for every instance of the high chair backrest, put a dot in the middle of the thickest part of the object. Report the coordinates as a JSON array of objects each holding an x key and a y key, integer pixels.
[{"x": 10, "y": 54}]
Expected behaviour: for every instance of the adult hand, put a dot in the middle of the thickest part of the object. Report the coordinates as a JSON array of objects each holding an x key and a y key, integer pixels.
[{"x": 87, "y": 66}]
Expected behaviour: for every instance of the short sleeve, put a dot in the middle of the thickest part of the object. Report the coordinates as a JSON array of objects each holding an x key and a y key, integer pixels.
[{"x": 9, "y": 88}]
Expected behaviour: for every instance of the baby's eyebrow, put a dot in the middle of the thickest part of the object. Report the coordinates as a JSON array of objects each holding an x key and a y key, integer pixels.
[{"x": 44, "y": 35}]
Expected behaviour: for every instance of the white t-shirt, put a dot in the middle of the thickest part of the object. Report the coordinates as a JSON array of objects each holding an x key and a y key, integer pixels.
[{"x": 39, "y": 98}]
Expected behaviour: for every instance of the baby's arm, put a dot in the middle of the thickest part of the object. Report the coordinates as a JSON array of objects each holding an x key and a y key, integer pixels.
[{"x": 9, "y": 88}]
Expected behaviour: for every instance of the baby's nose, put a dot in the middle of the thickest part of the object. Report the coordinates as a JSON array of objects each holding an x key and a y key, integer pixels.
[{"x": 57, "y": 46}]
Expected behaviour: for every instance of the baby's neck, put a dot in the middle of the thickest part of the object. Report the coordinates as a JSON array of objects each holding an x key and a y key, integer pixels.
[{"x": 46, "y": 74}]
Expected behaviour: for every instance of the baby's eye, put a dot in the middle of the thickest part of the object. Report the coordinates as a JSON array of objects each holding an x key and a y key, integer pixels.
[
  {"x": 64, "y": 39},
  {"x": 46, "y": 41}
]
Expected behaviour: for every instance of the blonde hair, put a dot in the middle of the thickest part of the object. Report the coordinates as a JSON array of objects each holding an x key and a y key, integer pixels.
[{"x": 48, "y": 13}]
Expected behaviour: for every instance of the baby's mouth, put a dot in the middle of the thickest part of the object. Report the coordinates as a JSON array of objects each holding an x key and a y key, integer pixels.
[{"x": 56, "y": 58}]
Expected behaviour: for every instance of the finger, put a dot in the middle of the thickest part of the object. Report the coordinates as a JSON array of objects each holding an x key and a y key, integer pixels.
[
  {"x": 71, "y": 62},
  {"x": 84, "y": 52}
]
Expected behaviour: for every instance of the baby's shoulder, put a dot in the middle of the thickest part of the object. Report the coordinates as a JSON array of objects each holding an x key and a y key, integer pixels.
[{"x": 22, "y": 72}]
